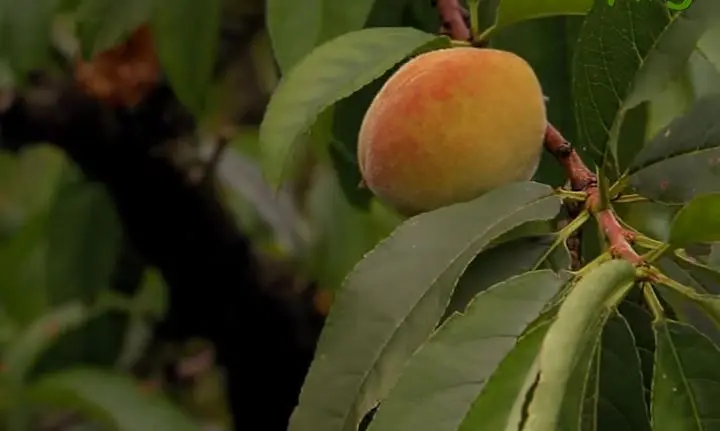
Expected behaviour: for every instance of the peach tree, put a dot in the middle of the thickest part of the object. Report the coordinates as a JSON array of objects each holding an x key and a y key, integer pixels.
[{"x": 586, "y": 298}]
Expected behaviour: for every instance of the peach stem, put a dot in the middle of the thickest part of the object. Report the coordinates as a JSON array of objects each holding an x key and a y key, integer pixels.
[
  {"x": 581, "y": 178},
  {"x": 452, "y": 15}
]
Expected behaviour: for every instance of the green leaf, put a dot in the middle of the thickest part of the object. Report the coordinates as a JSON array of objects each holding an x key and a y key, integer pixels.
[
  {"x": 587, "y": 393},
  {"x": 652, "y": 219},
  {"x": 510, "y": 12},
  {"x": 348, "y": 115},
  {"x": 137, "y": 338},
  {"x": 504, "y": 261},
  {"x": 394, "y": 297},
  {"x": 616, "y": 398},
  {"x": 634, "y": 310},
  {"x": 673, "y": 48},
  {"x": 579, "y": 319},
  {"x": 626, "y": 53},
  {"x": 463, "y": 353},
  {"x": 612, "y": 45},
  {"x": 115, "y": 399},
  {"x": 710, "y": 304},
  {"x": 713, "y": 259},
  {"x": 687, "y": 378},
  {"x": 709, "y": 46},
  {"x": 698, "y": 221},
  {"x": 491, "y": 409},
  {"x": 297, "y": 27},
  {"x": 186, "y": 34},
  {"x": 583, "y": 375},
  {"x": 706, "y": 275},
  {"x": 330, "y": 73},
  {"x": 22, "y": 354},
  {"x": 343, "y": 235},
  {"x": 22, "y": 291},
  {"x": 25, "y": 32},
  {"x": 684, "y": 310},
  {"x": 667, "y": 105},
  {"x": 102, "y": 24},
  {"x": 683, "y": 160},
  {"x": 702, "y": 281},
  {"x": 152, "y": 298},
  {"x": 84, "y": 235}
]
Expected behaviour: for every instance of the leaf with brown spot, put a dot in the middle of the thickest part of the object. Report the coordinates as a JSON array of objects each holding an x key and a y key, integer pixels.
[{"x": 678, "y": 163}]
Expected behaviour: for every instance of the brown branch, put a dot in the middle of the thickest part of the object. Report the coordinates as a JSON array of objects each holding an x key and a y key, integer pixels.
[
  {"x": 454, "y": 18},
  {"x": 583, "y": 179}
]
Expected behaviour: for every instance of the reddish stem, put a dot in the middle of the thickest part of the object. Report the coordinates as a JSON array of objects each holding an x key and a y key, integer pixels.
[
  {"x": 583, "y": 179},
  {"x": 453, "y": 18}
]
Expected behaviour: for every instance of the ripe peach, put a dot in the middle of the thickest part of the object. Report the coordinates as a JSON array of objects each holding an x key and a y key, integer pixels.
[{"x": 450, "y": 125}]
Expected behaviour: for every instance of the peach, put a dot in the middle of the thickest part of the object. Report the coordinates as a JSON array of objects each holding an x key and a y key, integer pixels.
[{"x": 449, "y": 126}]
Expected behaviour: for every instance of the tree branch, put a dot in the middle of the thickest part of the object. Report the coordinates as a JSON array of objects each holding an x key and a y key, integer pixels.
[{"x": 583, "y": 179}]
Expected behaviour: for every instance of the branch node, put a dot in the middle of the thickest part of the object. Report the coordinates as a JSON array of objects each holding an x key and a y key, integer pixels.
[{"x": 583, "y": 179}]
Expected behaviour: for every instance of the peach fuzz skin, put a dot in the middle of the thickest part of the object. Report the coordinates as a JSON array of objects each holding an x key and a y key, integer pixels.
[{"x": 450, "y": 125}]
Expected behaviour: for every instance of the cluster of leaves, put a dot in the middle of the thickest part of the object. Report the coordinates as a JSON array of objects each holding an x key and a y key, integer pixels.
[
  {"x": 68, "y": 341},
  {"x": 469, "y": 317},
  {"x": 30, "y": 30}
]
